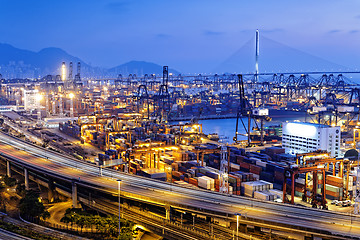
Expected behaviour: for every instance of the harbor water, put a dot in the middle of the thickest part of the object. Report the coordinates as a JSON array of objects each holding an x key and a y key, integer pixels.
[{"x": 225, "y": 128}]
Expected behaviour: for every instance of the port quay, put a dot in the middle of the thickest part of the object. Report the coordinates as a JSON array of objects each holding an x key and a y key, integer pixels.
[{"x": 288, "y": 149}]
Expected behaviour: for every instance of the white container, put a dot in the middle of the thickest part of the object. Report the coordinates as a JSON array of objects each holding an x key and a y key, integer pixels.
[
  {"x": 300, "y": 180},
  {"x": 204, "y": 182},
  {"x": 261, "y": 196},
  {"x": 277, "y": 193}
]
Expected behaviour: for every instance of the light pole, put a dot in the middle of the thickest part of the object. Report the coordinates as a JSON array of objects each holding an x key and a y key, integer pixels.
[
  {"x": 71, "y": 96},
  {"x": 237, "y": 225},
  {"x": 119, "y": 180}
]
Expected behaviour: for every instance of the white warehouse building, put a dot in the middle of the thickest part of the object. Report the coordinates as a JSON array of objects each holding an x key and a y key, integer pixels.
[{"x": 301, "y": 137}]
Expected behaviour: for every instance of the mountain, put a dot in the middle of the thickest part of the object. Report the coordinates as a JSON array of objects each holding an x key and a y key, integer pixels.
[
  {"x": 275, "y": 57},
  {"x": 19, "y": 63},
  {"x": 139, "y": 68}
]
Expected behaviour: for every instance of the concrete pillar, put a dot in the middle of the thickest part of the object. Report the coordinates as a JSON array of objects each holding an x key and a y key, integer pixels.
[
  {"x": 26, "y": 175},
  {"x": 8, "y": 168},
  {"x": 74, "y": 195},
  {"x": 168, "y": 212},
  {"x": 52, "y": 195}
]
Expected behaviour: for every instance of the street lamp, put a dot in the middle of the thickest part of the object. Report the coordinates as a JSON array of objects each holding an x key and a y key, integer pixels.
[
  {"x": 119, "y": 180},
  {"x": 237, "y": 225},
  {"x": 182, "y": 217},
  {"x": 71, "y": 96}
]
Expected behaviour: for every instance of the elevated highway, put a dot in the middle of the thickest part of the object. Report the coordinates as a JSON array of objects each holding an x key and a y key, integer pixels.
[{"x": 278, "y": 217}]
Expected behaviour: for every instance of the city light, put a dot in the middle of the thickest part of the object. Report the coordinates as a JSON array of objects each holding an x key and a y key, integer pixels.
[{"x": 39, "y": 97}]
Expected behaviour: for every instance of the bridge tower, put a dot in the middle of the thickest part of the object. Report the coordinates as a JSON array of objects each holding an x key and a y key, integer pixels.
[
  {"x": 257, "y": 50},
  {"x": 224, "y": 171}
]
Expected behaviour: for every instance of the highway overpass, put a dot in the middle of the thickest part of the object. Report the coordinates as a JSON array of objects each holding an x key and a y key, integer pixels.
[{"x": 171, "y": 198}]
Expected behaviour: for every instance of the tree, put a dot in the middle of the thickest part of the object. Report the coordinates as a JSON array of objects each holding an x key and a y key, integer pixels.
[
  {"x": 30, "y": 205},
  {"x": 10, "y": 182}
]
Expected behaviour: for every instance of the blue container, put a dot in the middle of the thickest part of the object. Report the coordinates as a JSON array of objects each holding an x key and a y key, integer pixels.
[
  {"x": 279, "y": 169},
  {"x": 278, "y": 186},
  {"x": 182, "y": 169},
  {"x": 270, "y": 167},
  {"x": 212, "y": 175},
  {"x": 199, "y": 174}
]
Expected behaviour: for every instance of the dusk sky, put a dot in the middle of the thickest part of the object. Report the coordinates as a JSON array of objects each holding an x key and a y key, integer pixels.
[{"x": 190, "y": 36}]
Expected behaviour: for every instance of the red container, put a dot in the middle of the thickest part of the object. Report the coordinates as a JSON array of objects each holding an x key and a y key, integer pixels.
[
  {"x": 193, "y": 181},
  {"x": 176, "y": 174},
  {"x": 245, "y": 165}
]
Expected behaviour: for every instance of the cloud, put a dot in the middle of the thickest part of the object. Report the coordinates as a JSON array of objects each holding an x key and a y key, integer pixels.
[
  {"x": 354, "y": 31},
  {"x": 213, "y": 33},
  {"x": 162, "y": 35},
  {"x": 118, "y": 6},
  {"x": 271, "y": 30},
  {"x": 334, "y": 31}
]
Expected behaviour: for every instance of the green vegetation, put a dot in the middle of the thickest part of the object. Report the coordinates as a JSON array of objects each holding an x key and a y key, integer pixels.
[
  {"x": 24, "y": 231},
  {"x": 106, "y": 226},
  {"x": 30, "y": 205},
  {"x": 8, "y": 181}
]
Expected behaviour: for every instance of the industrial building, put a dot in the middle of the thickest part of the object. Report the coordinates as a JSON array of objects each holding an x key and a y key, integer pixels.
[{"x": 301, "y": 137}]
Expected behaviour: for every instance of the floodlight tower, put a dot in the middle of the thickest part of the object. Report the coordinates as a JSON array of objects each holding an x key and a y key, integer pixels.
[
  {"x": 70, "y": 77},
  {"x": 224, "y": 171},
  {"x": 63, "y": 72}
]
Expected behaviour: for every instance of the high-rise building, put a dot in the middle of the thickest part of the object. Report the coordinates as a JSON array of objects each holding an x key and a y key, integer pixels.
[{"x": 300, "y": 137}]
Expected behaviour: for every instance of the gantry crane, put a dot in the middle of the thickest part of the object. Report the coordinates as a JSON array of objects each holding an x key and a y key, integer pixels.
[
  {"x": 292, "y": 173},
  {"x": 247, "y": 110}
]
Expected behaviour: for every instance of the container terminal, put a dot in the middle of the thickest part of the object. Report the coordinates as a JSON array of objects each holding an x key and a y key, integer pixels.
[{"x": 149, "y": 126}]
